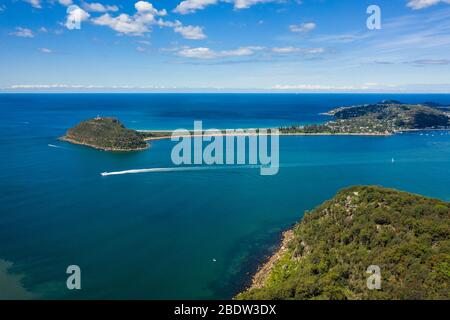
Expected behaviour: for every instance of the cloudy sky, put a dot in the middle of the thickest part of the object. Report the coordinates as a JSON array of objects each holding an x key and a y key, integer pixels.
[{"x": 224, "y": 45}]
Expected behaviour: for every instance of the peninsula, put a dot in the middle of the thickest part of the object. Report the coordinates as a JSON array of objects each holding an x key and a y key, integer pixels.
[
  {"x": 107, "y": 134},
  {"x": 327, "y": 255},
  {"x": 379, "y": 119},
  {"x": 383, "y": 118}
]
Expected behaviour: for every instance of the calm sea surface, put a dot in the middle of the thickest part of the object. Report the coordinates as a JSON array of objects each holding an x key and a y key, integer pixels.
[{"x": 193, "y": 234}]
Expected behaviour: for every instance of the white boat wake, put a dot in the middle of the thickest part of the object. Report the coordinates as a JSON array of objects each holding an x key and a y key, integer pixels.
[
  {"x": 54, "y": 146},
  {"x": 175, "y": 169},
  {"x": 232, "y": 167}
]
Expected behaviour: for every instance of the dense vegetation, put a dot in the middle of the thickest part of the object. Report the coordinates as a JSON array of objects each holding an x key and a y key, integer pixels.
[
  {"x": 106, "y": 134},
  {"x": 385, "y": 117},
  {"x": 406, "y": 235}
]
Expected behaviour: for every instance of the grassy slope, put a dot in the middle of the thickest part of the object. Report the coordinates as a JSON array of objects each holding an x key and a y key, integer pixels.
[{"x": 407, "y": 235}]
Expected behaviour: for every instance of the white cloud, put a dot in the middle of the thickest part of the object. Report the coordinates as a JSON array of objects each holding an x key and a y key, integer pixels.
[
  {"x": 98, "y": 7},
  {"x": 304, "y": 27},
  {"x": 143, "y": 19},
  {"x": 65, "y": 2},
  {"x": 122, "y": 24},
  {"x": 35, "y": 3},
  {"x": 43, "y": 86},
  {"x": 207, "y": 53},
  {"x": 342, "y": 38},
  {"x": 365, "y": 87},
  {"x": 244, "y": 4},
  {"x": 315, "y": 50},
  {"x": 45, "y": 50},
  {"x": 76, "y": 14},
  {"x": 285, "y": 49},
  {"x": 22, "y": 32},
  {"x": 147, "y": 7},
  {"x": 421, "y": 4},
  {"x": 288, "y": 50},
  {"x": 60, "y": 87},
  {"x": 190, "y": 6},
  {"x": 2, "y": 7},
  {"x": 191, "y": 32},
  {"x": 133, "y": 25},
  {"x": 198, "y": 53},
  {"x": 239, "y": 52},
  {"x": 187, "y": 32},
  {"x": 314, "y": 87}
]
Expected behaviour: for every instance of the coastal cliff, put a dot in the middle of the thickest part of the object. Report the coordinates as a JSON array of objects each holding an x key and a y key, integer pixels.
[
  {"x": 327, "y": 254},
  {"x": 107, "y": 134}
]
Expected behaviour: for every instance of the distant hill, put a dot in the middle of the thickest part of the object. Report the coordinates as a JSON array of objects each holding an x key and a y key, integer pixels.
[
  {"x": 107, "y": 134},
  {"x": 398, "y": 115},
  {"x": 395, "y": 116},
  {"x": 386, "y": 117},
  {"x": 327, "y": 254}
]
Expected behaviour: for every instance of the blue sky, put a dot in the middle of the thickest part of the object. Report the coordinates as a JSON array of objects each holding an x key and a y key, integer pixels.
[{"x": 224, "y": 45}]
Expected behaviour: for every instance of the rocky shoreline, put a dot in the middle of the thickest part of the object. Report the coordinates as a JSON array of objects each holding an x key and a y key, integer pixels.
[
  {"x": 261, "y": 276},
  {"x": 67, "y": 139}
]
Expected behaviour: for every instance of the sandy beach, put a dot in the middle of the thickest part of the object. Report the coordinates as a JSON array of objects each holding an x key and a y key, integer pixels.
[{"x": 247, "y": 134}]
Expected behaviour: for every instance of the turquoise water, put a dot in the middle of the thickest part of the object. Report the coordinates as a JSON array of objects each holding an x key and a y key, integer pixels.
[{"x": 155, "y": 235}]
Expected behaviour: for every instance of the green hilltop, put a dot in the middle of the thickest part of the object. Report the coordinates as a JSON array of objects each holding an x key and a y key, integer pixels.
[
  {"x": 107, "y": 134},
  {"x": 329, "y": 251}
]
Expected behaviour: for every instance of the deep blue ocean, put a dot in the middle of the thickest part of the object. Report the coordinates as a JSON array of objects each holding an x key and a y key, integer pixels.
[{"x": 192, "y": 235}]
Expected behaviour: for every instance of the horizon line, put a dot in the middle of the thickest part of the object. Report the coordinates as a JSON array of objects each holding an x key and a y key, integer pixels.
[{"x": 224, "y": 92}]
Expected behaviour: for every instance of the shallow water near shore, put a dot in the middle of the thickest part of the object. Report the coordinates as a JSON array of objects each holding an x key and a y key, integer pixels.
[{"x": 179, "y": 234}]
